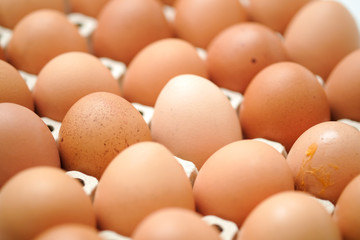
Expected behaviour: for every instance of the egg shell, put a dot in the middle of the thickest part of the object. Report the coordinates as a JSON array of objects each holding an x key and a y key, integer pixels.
[
  {"x": 89, "y": 8},
  {"x": 289, "y": 215},
  {"x": 140, "y": 180},
  {"x": 343, "y": 87},
  {"x": 127, "y": 26},
  {"x": 2, "y": 54},
  {"x": 199, "y": 21},
  {"x": 346, "y": 213},
  {"x": 67, "y": 78},
  {"x": 41, "y": 197},
  {"x": 193, "y": 133},
  {"x": 281, "y": 102},
  {"x": 13, "y": 87},
  {"x": 49, "y": 33},
  {"x": 12, "y": 11},
  {"x": 239, "y": 176},
  {"x": 168, "y": 2},
  {"x": 70, "y": 231},
  {"x": 155, "y": 65},
  {"x": 175, "y": 224},
  {"x": 320, "y": 35},
  {"x": 25, "y": 141},
  {"x": 95, "y": 129},
  {"x": 275, "y": 14},
  {"x": 240, "y": 51},
  {"x": 325, "y": 158}
]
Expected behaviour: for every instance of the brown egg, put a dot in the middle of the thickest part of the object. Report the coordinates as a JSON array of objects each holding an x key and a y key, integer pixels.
[
  {"x": 13, "y": 87},
  {"x": 168, "y": 2},
  {"x": 95, "y": 129},
  {"x": 87, "y": 7},
  {"x": 12, "y": 11},
  {"x": 140, "y": 180},
  {"x": 2, "y": 54},
  {"x": 127, "y": 26},
  {"x": 239, "y": 176},
  {"x": 200, "y": 21},
  {"x": 281, "y": 102},
  {"x": 68, "y": 77},
  {"x": 325, "y": 158},
  {"x": 39, "y": 198},
  {"x": 175, "y": 224},
  {"x": 69, "y": 231},
  {"x": 346, "y": 213},
  {"x": 49, "y": 33},
  {"x": 320, "y": 35},
  {"x": 343, "y": 87},
  {"x": 275, "y": 14},
  {"x": 156, "y": 64},
  {"x": 25, "y": 141},
  {"x": 239, "y": 52},
  {"x": 193, "y": 118},
  {"x": 289, "y": 215}
]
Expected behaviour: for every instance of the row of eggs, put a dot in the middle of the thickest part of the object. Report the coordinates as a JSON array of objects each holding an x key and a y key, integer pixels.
[{"x": 183, "y": 98}]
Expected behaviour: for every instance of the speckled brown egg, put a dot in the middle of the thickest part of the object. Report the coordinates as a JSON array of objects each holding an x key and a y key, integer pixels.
[
  {"x": 49, "y": 33},
  {"x": 126, "y": 26},
  {"x": 342, "y": 88},
  {"x": 200, "y": 21},
  {"x": 281, "y": 102},
  {"x": 240, "y": 51},
  {"x": 320, "y": 35},
  {"x": 12, "y": 11},
  {"x": 13, "y": 87},
  {"x": 40, "y": 198},
  {"x": 95, "y": 129},
  {"x": 325, "y": 158},
  {"x": 25, "y": 141},
  {"x": 156, "y": 64},
  {"x": 68, "y": 77}
]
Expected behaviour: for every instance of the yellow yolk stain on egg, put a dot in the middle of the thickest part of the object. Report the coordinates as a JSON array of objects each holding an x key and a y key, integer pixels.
[{"x": 321, "y": 173}]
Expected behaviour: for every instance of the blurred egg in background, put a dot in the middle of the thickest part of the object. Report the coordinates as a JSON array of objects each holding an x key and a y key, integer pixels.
[
  {"x": 200, "y": 21},
  {"x": 127, "y": 26},
  {"x": 240, "y": 51},
  {"x": 12, "y": 11},
  {"x": 49, "y": 33}
]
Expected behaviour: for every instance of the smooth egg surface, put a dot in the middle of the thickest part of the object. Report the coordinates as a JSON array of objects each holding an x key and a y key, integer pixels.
[{"x": 194, "y": 133}]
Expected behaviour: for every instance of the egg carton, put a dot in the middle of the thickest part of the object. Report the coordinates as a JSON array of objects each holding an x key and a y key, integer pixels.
[{"x": 86, "y": 25}]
